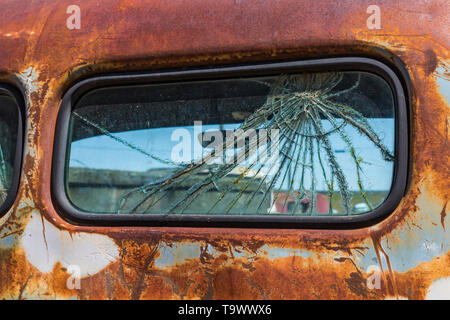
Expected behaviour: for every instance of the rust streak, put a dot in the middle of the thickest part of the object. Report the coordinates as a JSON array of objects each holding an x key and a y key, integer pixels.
[{"x": 443, "y": 215}]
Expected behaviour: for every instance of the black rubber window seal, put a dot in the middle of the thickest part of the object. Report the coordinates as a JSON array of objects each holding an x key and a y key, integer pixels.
[{"x": 395, "y": 75}]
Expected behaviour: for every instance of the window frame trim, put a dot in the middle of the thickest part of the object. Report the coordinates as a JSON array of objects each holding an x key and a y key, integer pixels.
[
  {"x": 15, "y": 94},
  {"x": 395, "y": 76}
]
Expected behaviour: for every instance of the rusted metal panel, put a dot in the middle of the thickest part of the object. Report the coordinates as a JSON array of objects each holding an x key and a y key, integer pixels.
[{"x": 42, "y": 56}]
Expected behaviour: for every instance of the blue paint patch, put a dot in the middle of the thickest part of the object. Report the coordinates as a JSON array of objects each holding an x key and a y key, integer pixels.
[
  {"x": 410, "y": 252},
  {"x": 444, "y": 85},
  {"x": 8, "y": 242},
  {"x": 179, "y": 252}
]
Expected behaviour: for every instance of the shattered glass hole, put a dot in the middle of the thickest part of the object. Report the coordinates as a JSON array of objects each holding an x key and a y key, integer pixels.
[{"x": 302, "y": 144}]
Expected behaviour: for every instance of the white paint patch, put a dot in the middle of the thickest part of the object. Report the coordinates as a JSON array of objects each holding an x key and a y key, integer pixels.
[
  {"x": 439, "y": 290},
  {"x": 29, "y": 78},
  {"x": 44, "y": 245}
]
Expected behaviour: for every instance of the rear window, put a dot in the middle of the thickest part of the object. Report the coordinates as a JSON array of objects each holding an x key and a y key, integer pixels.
[
  {"x": 304, "y": 144},
  {"x": 318, "y": 143}
]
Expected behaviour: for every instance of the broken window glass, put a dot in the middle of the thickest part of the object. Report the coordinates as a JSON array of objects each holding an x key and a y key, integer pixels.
[{"x": 291, "y": 144}]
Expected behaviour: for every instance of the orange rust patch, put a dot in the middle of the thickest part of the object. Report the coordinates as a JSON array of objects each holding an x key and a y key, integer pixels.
[
  {"x": 222, "y": 33},
  {"x": 415, "y": 282}
]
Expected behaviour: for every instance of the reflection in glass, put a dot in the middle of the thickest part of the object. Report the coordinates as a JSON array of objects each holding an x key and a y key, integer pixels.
[{"x": 307, "y": 144}]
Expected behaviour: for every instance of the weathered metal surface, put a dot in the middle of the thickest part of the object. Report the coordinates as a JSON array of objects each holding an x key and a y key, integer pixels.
[{"x": 41, "y": 55}]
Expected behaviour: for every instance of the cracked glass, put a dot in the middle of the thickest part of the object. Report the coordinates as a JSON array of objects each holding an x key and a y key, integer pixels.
[{"x": 289, "y": 144}]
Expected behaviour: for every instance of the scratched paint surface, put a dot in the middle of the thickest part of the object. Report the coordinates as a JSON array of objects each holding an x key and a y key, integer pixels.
[{"x": 40, "y": 55}]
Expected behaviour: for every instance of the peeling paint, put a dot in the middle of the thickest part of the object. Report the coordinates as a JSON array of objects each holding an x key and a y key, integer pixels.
[
  {"x": 177, "y": 253},
  {"x": 44, "y": 245},
  {"x": 37, "y": 245},
  {"x": 439, "y": 290},
  {"x": 274, "y": 252},
  {"x": 29, "y": 78}
]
